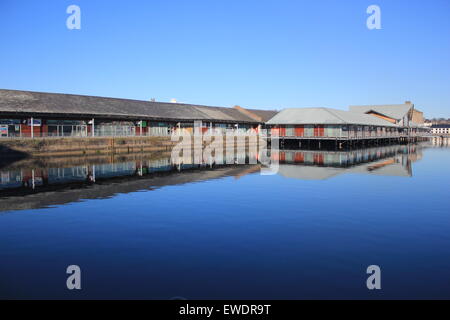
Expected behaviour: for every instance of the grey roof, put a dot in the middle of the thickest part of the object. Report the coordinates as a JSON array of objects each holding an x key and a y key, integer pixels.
[
  {"x": 440, "y": 126},
  {"x": 394, "y": 111},
  {"x": 302, "y": 116},
  {"x": 27, "y": 102}
]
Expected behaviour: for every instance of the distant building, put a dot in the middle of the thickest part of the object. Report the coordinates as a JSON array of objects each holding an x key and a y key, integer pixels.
[
  {"x": 400, "y": 114},
  {"x": 440, "y": 129}
]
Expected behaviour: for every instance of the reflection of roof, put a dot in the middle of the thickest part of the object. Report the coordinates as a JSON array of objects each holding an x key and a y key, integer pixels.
[
  {"x": 106, "y": 188},
  {"x": 393, "y": 111},
  {"x": 326, "y": 116},
  {"x": 308, "y": 172},
  {"x": 12, "y": 101},
  {"x": 323, "y": 173},
  {"x": 393, "y": 170}
]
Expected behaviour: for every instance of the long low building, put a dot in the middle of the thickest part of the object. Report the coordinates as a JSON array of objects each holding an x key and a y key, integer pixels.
[
  {"x": 329, "y": 123},
  {"x": 362, "y": 122},
  {"x": 37, "y": 114}
]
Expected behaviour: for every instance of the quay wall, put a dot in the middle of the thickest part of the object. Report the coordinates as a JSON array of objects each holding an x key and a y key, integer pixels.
[
  {"x": 83, "y": 146},
  {"x": 44, "y": 147}
]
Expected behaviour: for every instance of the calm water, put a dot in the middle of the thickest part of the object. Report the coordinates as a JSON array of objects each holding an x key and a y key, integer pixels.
[{"x": 141, "y": 228}]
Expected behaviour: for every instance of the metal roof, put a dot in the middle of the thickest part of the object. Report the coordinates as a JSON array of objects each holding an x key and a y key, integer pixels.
[
  {"x": 265, "y": 115},
  {"x": 440, "y": 126},
  {"x": 394, "y": 111},
  {"x": 303, "y": 116},
  {"x": 27, "y": 102}
]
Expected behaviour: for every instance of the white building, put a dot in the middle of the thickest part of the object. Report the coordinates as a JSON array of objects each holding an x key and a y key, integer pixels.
[{"x": 441, "y": 129}]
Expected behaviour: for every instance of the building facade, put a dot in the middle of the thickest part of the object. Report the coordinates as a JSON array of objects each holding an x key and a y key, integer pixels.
[
  {"x": 440, "y": 129},
  {"x": 34, "y": 114}
]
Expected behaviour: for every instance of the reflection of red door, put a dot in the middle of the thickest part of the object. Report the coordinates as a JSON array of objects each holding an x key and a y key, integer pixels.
[
  {"x": 319, "y": 131},
  {"x": 282, "y": 156},
  {"x": 318, "y": 158},
  {"x": 299, "y": 131}
]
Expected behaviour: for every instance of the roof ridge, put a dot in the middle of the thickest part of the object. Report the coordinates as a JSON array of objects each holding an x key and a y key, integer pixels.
[
  {"x": 334, "y": 114},
  {"x": 114, "y": 98}
]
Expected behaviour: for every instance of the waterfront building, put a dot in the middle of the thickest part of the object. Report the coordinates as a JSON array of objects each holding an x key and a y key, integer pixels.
[
  {"x": 37, "y": 114},
  {"x": 327, "y": 123},
  {"x": 25, "y": 114},
  {"x": 440, "y": 129}
]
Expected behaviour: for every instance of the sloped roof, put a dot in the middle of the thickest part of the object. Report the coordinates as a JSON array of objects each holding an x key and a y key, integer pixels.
[
  {"x": 394, "y": 111},
  {"x": 265, "y": 115},
  {"x": 13, "y": 101},
  {"x": 326, "y": 116}
]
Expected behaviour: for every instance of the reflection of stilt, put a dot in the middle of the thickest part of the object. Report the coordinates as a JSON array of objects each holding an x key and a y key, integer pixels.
[
  {"x": 93, "y": 173},
  {"x": 33, "y": 185}
]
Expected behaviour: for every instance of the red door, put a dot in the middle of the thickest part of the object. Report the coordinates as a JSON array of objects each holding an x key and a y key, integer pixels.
[
  {"x": 319, "y": 131},
  {"x": 299, "y": 131}
]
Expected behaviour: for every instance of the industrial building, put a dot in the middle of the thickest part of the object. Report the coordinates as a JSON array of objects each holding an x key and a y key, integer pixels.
[
  {"x": 25, "y": 114},
  {"x": 35, "y": 114},
  {"x": 326, "y": 123},
  {"x": 359, "y": 123}
]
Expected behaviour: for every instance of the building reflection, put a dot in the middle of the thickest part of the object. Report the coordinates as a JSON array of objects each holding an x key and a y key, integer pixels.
[
  {"x": 391, "y": 160},
  {"x": 31, "y": 183},
  {"x": 443, "y": 142}
]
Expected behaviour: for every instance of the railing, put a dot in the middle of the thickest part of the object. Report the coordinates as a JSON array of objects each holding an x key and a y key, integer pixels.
[
  {"x": 131, "y": 133},
  {"x": 353, "y": 135}
]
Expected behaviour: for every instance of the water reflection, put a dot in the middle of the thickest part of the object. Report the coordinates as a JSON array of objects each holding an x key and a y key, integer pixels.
[
  {"x": 38, "y": 183},
  {"x": 442, "y": 142},
  {"x": 320, "y": 165}
]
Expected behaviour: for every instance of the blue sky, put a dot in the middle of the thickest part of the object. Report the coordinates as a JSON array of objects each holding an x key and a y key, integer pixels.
[{"x": 260, "y": 54}]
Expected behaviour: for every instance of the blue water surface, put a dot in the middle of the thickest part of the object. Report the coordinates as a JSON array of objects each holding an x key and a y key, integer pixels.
[{"x": 241, "y": 237}]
